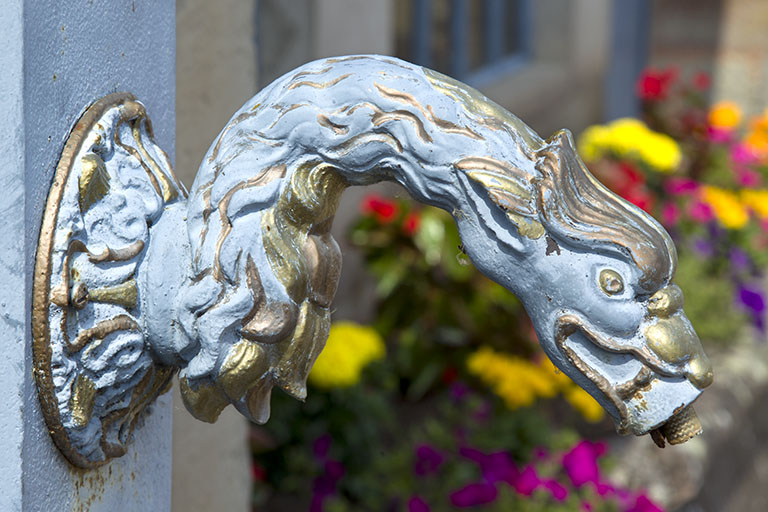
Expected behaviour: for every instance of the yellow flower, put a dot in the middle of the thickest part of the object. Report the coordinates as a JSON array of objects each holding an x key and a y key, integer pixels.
[
  {"x": 725, "y": 115},
  {"x": 631, "y": 138},
  {"x": 349, "y": 349},
  {"x": 729, "y": 211},
  {"x": 520, "y": 382},
  {"x": 756, "y": 200}
]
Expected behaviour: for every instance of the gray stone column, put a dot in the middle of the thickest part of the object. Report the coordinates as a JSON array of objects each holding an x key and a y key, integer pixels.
[{"x": 58, "y": 57}]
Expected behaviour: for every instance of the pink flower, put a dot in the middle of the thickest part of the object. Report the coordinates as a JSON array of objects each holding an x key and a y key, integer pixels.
[
  {"x": 416, "y": 504},
  {"x": 527, "y": 482},
  {"x": 670, "y": 214},
  {"x": 474, "y": 494},
  {"x": 748, "y": 177},
  {"x": 586, "y": 506},
  {"x": 743, "y": 154},
  {"x": 680, "y": 186},
  {"x": 581, "y": 463},
  {"x": 719, "y": 135},
  {"x": 428, "y": 460},
  {"x": 700, "y": 212}
]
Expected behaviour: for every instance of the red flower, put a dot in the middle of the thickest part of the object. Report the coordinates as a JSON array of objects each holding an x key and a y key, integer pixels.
[
  {"x": 411, "y": 223},
  {"x": 383, "y": 209},
  {"x": 654, "y": 85},
  {"x": 702, "y": 81}
]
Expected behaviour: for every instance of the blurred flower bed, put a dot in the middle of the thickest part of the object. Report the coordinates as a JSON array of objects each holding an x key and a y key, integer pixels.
[{"x": 446, "y": 401}]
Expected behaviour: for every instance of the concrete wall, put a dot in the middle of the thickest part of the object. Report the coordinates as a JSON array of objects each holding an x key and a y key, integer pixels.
[
  {"x": 216, "y": 73},
  {"x": 57, "y": 58}
]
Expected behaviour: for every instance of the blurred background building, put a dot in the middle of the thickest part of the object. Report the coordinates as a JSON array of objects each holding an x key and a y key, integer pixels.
[{"x": 554, "y": 63}]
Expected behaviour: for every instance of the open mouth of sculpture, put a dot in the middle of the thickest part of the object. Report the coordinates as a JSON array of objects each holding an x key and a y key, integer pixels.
[{"x": 642, "y": 393}]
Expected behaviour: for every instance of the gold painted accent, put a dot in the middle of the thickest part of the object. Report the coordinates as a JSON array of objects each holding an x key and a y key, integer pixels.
[
  {"x": 640, "y": 382},
  {"x": 82, "y": 400},
  {"x": 674, "y": 341},
  {"x": 93, "y": 182},
  {"x": 338, "y": 129},
  {"x": 611, "y": 282},
  {"x": 527, "y": 227},
  {"x": 443, "y": 124},
  {"x": 169, "y": 190},
  {"x": 124, "y": 294},
  {"x": 102, "y": 329},
  {"x": 244, "y": 365},
  {"x": 380, "y": 118},
  {"x": 204, "y": 403},
  {"x": 266, "y": 322},
  {"x": 323, "y": 257},
  {"x": 301, "y": 351},
  {"x": 666, "y": 302},
  {"x": 302, "y": 74},
  {"x": 365, "y": 138},
  {"x": 318, "y": 85},
  {"x": 129, "y": 114},
  {"x": 267, "y": 175},
  {"x": 683, "y": 426}
]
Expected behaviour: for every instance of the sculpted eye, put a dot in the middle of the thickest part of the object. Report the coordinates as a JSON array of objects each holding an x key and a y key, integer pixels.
[{"x": 611, "y": 282}]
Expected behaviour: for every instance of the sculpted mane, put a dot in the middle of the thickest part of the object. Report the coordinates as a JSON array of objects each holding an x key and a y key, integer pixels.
[{"x": 281, "y": 164}]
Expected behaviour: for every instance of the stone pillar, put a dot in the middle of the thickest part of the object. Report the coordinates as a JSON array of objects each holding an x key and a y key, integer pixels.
[{"x": 57, "y": 58}]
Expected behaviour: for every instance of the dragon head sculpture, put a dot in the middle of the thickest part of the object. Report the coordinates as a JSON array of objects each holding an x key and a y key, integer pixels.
[
  {"x": 599, "y": 290},
  {"x": 232, "y": 286}
]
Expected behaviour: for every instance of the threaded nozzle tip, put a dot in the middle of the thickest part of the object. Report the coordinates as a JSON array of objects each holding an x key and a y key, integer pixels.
[{"x": 679, "y": 428}]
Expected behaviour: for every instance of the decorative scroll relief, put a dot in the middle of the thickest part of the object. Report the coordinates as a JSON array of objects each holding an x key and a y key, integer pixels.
[{"x": 94, "y": 371}]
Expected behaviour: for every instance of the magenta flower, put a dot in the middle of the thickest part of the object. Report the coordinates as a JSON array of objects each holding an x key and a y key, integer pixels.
[
  {"x": 496, "y": 467},
  {"x": 527, "y": 482},
  {"x": 474, "y": 494},
  {"x": 748, "y": 177},
  {"x": 643, "y": 504},
  {"x": 321, "y": 446},
  {"x": 556, "y": 489},
  {"x": 670, "y": 214},
  {"x": 428, "y": 460},
  {"x": 742, "y": 154},
  {"x": 701, "y": 212},
  {"x": 586, "y": 506},
  {"x": 416, "y": 504},
  {"x": 580, "y": 463},
  {"x": 680, "y": 186},
  {"x": 719, "y": 135}
]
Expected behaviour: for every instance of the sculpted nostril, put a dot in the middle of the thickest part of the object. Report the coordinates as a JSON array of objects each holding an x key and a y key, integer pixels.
[{"x": 666, "y": 301}]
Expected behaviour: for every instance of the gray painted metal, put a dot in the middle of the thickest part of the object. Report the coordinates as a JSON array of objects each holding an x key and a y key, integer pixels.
[{"x": 58, "y": 57}]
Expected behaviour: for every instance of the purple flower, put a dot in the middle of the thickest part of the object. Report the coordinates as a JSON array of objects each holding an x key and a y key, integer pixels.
[
  {"x": 527, "y": 482},
  {"x": 752, "y": 298},
  {"x": 703, "y": 247},
  {"x": 416, "y": 504},
  {"x": 321, "y": 446},
  {"x": 458, "y": 391},
  {"x": 556, "y": 489},
  {"x": 335, "y": 470},
  {"x": 739, "y": 259},
  {"x": 581, "y": 463},
  {"x": 474, "y": 494},
  {"x": 428, "y": 460}
]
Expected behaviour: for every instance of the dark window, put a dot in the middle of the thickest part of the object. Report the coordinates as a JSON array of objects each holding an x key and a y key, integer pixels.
[{"x": 462, "y": 38}]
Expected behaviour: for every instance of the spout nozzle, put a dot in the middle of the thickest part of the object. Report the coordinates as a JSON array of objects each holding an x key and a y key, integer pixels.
[{"x": 678, "y": 429}]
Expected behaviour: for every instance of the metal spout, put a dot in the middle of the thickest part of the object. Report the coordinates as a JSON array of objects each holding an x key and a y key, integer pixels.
[{"x": 678, "y": 429}]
